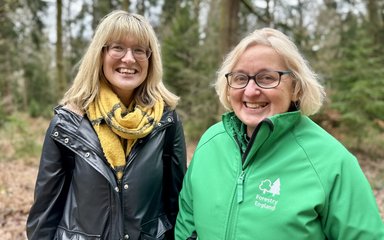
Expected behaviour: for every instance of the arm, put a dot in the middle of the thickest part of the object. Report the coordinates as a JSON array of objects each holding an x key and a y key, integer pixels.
[
  {"x": 175, "y": 160},
  {"x": 50, "y": 190},
  {"x": 185, "y": 225},
  {"x": 352, "y": 211}
]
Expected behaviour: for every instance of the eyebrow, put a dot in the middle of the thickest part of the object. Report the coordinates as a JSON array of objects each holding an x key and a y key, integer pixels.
[{"x": 246, "y": 72}]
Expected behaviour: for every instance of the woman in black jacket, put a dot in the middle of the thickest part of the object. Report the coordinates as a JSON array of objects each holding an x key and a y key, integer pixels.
[{"x": 114, "y": 154}]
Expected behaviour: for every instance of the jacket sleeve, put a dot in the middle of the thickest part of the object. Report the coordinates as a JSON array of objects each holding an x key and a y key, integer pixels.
[
  {"x": 352, "y": 211},
  {"x": 50, "y": 189},
  {"x": 185, "y": 225},
  {"x": 175, "y": 165}
]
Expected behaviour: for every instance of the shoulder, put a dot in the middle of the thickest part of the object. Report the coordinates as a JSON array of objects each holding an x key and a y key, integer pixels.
[
  {"x": 66, "y": 118},
  {"x": 327, "y": 155},
  {"x": 169, "y": 116},
  {"x": 214, "y": 133},
  {"x": 74, "y": 109},
  {"x": 312, "y": 136}
]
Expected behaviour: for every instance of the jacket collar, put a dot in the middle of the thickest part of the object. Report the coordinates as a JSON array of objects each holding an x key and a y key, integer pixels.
[
  {"x": 267, "y": 132},
  {"x": 76, "y": 132}
]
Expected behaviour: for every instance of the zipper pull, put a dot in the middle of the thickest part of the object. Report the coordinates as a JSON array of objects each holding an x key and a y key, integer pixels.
[{"x": 240, "y": 184}]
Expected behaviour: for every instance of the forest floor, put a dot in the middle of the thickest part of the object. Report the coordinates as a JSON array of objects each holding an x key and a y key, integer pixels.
[{"x": 18, "y": 174}]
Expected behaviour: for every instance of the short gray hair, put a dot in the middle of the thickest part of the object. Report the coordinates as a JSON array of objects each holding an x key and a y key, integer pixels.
[{"x": 309, "y": 92}]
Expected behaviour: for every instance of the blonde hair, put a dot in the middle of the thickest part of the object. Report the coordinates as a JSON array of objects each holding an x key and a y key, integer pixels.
[
  {"x": 113, "y": 27},
  {"x": 309, "y": 92}
]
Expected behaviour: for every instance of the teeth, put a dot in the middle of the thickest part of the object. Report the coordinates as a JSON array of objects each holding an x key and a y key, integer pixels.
[
  {"x": 255, "y": 105},
  {"x": 126, "y": 70}
]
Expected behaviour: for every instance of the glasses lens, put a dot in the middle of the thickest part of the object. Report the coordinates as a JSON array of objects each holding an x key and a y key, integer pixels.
[
  {"x": 116, "y": 51},
  {"x": 237, "y": 80},
  {"x": 141, "y": 54},
  {"x": 268, "y": 79}
]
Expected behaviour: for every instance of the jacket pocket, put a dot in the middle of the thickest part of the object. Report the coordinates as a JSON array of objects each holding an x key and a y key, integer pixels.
[
  {"x": 65, "y": 234},
  {"x": 155, "y": 229}
]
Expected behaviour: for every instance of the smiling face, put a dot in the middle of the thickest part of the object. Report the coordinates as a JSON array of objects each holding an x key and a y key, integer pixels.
[
  {"x": 252, "y": 104},
  {"x": 125, "y": 74}
]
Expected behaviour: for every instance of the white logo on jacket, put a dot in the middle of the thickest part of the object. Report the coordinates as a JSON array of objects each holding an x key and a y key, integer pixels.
[{"x": 267, "y": 200}]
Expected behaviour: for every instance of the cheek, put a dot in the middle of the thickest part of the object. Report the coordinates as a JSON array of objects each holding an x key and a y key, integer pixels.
[
  {"x": 235, "y": 93},
  {"x": 104, "y": 58},
  {"x": 233, "y": 96},
  {"x": 284, "y": 100},
  {"x": 104, "y": 69},
  {"x": 145, "y": 68},
  {"x": 105, "y": 64}
]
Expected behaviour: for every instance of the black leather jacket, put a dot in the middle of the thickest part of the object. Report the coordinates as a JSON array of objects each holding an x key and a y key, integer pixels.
[{"x": 78, "y": 197}]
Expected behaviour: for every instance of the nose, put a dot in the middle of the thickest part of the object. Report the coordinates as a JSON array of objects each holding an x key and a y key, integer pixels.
[
  {"x": 128, "y": 57},
  {"x": 252, "y": 88}
]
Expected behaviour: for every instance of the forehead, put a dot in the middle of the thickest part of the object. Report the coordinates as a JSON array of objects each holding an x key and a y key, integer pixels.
[
  {"x": 131, "y": 31},
  {"x": 259, "y": 57}
]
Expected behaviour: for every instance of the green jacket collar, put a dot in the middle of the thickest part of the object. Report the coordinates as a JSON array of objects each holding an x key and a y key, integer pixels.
[{"x": 267, "y": 132}]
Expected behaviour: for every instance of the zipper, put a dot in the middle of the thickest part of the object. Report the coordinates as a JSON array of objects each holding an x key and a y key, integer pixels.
[
  {"x": 240, "y": 187},
  {"x": 237, "y": 198}
]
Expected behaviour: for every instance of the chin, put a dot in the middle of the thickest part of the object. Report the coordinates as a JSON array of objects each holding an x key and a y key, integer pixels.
[{"x": 252, "y": 123}]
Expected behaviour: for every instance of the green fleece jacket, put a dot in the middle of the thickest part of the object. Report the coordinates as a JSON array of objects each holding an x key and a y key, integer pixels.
[{"x": 293, "y": 180}]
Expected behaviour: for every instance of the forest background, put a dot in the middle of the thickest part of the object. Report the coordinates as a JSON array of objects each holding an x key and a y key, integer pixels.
[{"x": 41, "y": 42}]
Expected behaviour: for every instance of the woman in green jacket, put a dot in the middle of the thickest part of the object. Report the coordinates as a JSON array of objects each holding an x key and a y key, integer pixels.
[{"x": 267, "y": 171}]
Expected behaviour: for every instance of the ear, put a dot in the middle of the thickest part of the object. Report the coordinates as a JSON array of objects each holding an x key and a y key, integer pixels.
[{"x": 295, "y": 96}]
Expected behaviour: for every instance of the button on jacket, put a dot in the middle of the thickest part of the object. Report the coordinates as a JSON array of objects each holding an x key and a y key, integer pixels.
[{"x": 78, "y": 197}]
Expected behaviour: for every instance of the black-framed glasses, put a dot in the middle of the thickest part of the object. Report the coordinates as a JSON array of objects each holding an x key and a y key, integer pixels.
[
  {"x": 264, "y": 79},
  {"x": 118, "y": 51}
]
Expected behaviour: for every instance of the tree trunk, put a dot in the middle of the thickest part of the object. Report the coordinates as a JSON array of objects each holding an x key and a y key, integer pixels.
[
  {"x": 228, "y": 24},
  {"x": 125, "y": 5},
  {"x": 59, "y": 49}
]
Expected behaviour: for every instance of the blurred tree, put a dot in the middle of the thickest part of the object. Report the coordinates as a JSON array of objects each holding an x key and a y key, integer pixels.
[
  {"x": 167, "y": 13},
  {"x": 41, "y": 96},
  {"x": 21, "y": 39},
  {"x": 35, "y": 88},
  {"x": 229, "y": 21},
  {"x": 375, "y": 18},
  {"x": 99, "y": 9},
  {"x": 185, "y": 59},
  {"x": 36, "y": 10},
  {"x": 77, "y": 40},
  {"x": 60, "y": 77},
  {"x": 8, "y": 49},
  {"x": 359, "y": 87},
  {"x": 125, "y": 4}
]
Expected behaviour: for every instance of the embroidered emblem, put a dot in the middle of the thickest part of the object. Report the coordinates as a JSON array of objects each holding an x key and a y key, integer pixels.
[
  {"x": 267, "y": 186},
  {"x": 267, "y": 199}
]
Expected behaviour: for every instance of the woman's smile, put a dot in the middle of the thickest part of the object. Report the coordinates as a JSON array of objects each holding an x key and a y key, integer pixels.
[
  {"x": 126, "y": 70},
  {"x": 253, "y": 105}
]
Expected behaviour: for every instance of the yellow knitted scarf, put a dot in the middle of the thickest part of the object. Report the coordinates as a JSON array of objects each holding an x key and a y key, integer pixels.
[{"x": 119, "y": 127}]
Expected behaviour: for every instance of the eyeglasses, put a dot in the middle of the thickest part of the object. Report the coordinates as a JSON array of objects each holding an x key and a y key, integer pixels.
[
  {"x": 118, "y": 51},
  {"x": 264, "y": 79}
]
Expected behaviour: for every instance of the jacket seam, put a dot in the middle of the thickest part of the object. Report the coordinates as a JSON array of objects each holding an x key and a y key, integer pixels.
[{"x": 313, "y": 167}]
